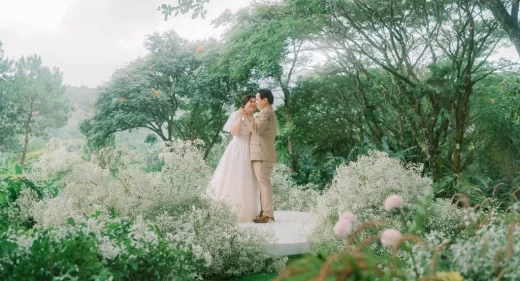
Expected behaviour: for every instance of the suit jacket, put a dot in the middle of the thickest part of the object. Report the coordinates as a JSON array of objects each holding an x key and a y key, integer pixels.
[{"x": 264, "y": 128}]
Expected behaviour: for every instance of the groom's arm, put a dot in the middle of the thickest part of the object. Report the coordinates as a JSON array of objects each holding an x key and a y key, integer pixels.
[{"x": 257, "y": 125}]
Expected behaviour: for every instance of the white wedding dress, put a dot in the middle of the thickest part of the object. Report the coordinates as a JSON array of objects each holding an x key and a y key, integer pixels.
[{"x": 233, "y": 180}]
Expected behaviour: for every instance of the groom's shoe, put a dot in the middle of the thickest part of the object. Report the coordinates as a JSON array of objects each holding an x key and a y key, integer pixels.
[{"x": 264, "y": 219}]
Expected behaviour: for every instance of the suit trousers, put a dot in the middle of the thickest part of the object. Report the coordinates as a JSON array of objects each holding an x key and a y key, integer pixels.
[{"x": 263, "y": 171}]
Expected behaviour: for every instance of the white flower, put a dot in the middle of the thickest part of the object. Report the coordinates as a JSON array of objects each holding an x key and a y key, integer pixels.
[{"x": 108, "y": 250}]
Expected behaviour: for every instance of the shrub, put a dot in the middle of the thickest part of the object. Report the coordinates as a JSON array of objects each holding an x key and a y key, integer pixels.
[
  {"x": 174, "y": 199},
  {"x": 95, "y": 250},
  {"x": 287, "y": 196},
  {"x": 362, "y": 186},
  {"x": 236, "y": 250}
]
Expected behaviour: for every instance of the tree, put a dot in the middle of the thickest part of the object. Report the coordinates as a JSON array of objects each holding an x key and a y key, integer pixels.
[
  {"x": 433, "y": 53},
  {"x": 8, "y": 116},
  {"x": 335, "y": 120},
  {"x": 171, "y": 91},
  {"x": 494, "y": 134},
  {"x": 39, "y": 98},
  {"x": 264, "y": 42},
  {"x": 508, "y": 20},
  {"x": 197, "y": 6}
]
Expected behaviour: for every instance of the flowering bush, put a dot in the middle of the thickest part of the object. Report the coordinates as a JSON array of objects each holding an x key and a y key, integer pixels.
[
  {"x": 484, "y": 250},
  {"x": 287, "y": 196},
  {"x": 17, "y": 196},
  {"x": 362, "y": 187},
  {"x": 95, "y": 250},
  {"x": 358, "y": 262},
  {"x": 236, "y": 251},
  {"x": 173, "y": 199}
]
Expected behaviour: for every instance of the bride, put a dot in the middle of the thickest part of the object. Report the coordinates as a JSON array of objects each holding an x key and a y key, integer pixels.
[{"x": 233, "y": 180}]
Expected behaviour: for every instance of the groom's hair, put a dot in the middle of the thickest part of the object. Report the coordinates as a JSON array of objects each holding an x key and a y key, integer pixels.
[
  {"x": 266, "y": 93},
  {"x": 246, "y": 100}
]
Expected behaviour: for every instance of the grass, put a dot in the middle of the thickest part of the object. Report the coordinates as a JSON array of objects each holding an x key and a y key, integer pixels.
[
  {"x": 255, "y": 277},
  {"x": 261, "y": 276}
]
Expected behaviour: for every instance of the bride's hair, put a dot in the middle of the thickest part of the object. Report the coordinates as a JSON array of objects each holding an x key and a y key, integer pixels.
[{"x": 246, "y": 99}]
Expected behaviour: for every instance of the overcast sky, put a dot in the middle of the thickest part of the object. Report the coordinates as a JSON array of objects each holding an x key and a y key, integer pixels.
[{"x": 89, "y": 39}]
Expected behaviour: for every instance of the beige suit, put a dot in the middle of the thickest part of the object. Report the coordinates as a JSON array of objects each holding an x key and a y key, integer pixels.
[{"x": 263, "y": 154}]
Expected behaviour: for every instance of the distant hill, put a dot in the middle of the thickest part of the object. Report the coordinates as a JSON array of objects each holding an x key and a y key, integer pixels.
[{"x": 83, "y": 98}]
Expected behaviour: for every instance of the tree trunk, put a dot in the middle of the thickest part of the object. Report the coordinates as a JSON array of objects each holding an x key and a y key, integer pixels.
[
  {"x": 213, "y": 141},
  {"x": 27, "y": 123},
  {"x": 462, "y": 105},
  {"x": 508, "y": 22}
]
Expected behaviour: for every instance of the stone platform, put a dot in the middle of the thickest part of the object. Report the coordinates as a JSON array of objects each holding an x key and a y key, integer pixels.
[{"x": 291, "y": 230}]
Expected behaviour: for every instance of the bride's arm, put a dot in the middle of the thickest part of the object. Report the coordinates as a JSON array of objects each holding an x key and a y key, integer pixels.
[
  {"x": 236, "y": 124},
  {"x": 235, "y": 129}
]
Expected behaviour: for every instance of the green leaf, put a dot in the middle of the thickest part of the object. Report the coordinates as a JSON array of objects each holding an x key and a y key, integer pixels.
[
  {"x": 18, "y": 169},
  {"x": 3, "y": 199}
]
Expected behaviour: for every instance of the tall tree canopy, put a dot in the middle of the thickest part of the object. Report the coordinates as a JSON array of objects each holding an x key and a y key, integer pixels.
[
  {"x": 432, "y": 53},
  {"x": 8, "y": 116},
  {"x": 173, "y": 91},
  {"x": 407, "y": 77},
  {"x": 264, "y": 42},
  {"x": 505, "y": 13},
  {"x": 39, "y": 98}
]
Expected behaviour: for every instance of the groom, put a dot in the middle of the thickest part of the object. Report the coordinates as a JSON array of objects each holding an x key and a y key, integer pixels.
[{"x": 261, "y": 150}]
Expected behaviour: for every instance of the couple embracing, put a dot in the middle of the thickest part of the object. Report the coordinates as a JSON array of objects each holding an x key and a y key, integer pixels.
[{"x": 243, "y": 175}]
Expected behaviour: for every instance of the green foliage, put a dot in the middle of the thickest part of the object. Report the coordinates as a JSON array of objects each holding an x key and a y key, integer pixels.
[
  {"x": 288, "y": 196},
  {"x": 362, "y": 186},
  {"x": 261, "y": 39},
  {"x": 36, "y": 102},
  {"x": 71, "y": 257},
  {"x": 8, "y": 113},
  {"x": 11, "y": 184},
  {"x": 388, "y": 96},
  {"x": 115, "y": 251},
  {"x": 15, "y": 185},
  {"x": 171, "y": 91},
  {"x": 40, "y": 95},
  {"x": 185, "y": 6},
  {"x": 352, "y": 121},
  {"x": 173, "y": 198}
]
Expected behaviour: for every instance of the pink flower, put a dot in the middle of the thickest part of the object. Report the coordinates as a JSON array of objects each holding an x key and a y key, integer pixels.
[
  {"x": 349, "y": 216},
  {"x": 393, "y": 201},
  {"x": 343, "y": 227},
  {"x": 390, "y": 237}
]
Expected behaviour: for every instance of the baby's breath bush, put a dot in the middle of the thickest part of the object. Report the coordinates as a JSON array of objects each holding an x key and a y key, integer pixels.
[
  {"x": 237, "y": 251},
  {"x": 174, "y": 199},
  {"x": 96, "y": 250},
  {"x": 362, "y": 186},
  {"x": 490, "y": 253},
  {"x": 289, "y": 197}
]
